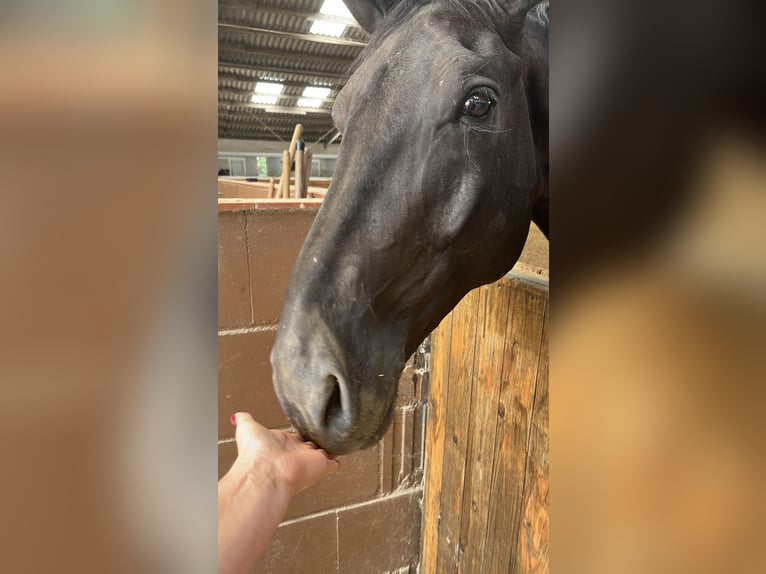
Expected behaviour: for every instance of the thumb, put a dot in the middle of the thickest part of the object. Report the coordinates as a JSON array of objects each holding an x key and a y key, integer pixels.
[{"x": 247, "y": 431}]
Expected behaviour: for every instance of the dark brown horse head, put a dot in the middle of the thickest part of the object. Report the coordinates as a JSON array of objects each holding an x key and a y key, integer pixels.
[{"x": 433, "y": 193}]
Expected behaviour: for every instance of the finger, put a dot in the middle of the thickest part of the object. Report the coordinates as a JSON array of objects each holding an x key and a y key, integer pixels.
[{"x": 241, "y": 417}]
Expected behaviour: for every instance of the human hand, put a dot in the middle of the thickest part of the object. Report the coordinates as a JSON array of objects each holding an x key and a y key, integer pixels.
[
  {"x": 297, "y": 464},
  {"x": 270, "y": 468}
]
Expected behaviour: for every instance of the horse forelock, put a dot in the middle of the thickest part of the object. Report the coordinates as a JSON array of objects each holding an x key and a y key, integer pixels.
[
  {"x": 393, "y": 19},
  {"x": 403, "y": 10},
  {"x": 541, "y": 12}
]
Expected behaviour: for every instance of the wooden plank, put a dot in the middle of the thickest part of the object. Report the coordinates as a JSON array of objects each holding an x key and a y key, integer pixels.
[
  {"x": 462, "y": 375},
  {"x": 520, "y": 366},
  {"x": 437, "y": 408},
  {"x": 531, "y": 556},
  {"x": 321, "y": 182},
  {"x": 486, "y": 492},
  {"x": 237, "y": 188},
  {"x": 486, "y": 395},
  {"x": 265, "y": 189}
]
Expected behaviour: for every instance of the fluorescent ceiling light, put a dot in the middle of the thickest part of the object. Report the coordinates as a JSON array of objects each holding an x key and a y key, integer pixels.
[
  {"x": 335, "y": 8},
  {"x": 268, "y": 88},
  {"x": 316, "y": 92},
  {"x": 309, "y": 103},
  {"x": 322, "y": 28},
  {"x": 268, "y": 100}
]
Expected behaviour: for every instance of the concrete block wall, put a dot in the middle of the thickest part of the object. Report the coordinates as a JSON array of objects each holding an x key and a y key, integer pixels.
[{"x": 365, "y": 518}]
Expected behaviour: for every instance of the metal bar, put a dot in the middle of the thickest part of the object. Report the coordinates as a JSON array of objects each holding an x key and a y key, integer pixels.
[
  {"x": 276, "y": 135},
  {"x": 324, "y": 135}
]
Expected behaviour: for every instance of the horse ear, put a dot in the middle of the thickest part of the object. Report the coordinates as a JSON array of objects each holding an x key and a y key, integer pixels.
[
  {"x": 509, "y": 15},
  {"x": 368, "y": 12}
]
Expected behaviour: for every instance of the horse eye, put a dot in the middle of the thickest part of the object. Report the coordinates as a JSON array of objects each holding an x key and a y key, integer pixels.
[{"x": 477, "y": 105}]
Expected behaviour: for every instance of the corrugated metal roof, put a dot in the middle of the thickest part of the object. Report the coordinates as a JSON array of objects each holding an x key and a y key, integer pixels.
[{"x": 270, "y": 40}]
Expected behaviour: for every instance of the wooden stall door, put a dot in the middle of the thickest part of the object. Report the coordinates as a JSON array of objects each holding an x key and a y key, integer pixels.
[{"x": 485, "y": 506}]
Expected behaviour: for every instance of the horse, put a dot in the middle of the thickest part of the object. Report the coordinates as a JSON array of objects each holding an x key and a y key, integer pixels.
[{"x": 442, "y": 167}]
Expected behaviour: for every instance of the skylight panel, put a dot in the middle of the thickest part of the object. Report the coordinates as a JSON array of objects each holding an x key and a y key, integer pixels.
[
  {"x": 270, "y": 88},
  {"x": 267, "y": 93},
  {"x": 316, "y": 92},
  {"x": 309, "y": 103},
  {"x": 266, "y": 100},
  {"x": 323, "y": 28},
  {"x": 335, "y": 8}
]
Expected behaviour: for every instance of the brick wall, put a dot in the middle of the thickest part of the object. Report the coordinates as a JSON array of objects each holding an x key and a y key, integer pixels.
[{"x": 365, "y": 518}]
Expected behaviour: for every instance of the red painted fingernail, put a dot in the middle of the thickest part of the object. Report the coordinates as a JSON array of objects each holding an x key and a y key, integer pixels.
[{"x": 233, "y": 419}]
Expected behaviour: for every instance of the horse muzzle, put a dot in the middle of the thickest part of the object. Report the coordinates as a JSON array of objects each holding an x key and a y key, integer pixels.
[{"x": 339, "y": 410}]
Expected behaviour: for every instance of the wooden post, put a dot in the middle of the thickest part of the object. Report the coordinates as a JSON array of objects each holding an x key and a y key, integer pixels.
[
  {"x": 272, "y": 187},
  {"x": 299, "y": 171},
  {"x": 297, "y": 134},
  {"x": 284, "y": 184},
  {"x": 289, "y": 154},
  {"x": 307, "y": 169}
]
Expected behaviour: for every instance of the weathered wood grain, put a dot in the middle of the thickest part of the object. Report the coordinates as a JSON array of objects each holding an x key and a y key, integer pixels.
[
  {"x": 486, "y": 492},
  {"x": 440, "y": 363},
  {"x": 490, "y": 345},
  {"x": 458, "y": 405},
  {"x": 532, "y": 549}
]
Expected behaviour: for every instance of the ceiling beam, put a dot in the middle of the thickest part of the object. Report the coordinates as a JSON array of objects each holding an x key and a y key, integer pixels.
[
  {"x": 241, "y": 49},
  {"x": 281, "y": 70},
  {"x": 249, "y": 80},
  {"x": 294, "y": 35},
  {"x": 280, "y": 130},
  {"x": 288, "y": 13},
  {"x": 286, "y": 134},
  {"x": 272, "y": 119},
  {"x": 286, "y": 129},
  {"x": 278, "y": 109},
  {"x": 310, "y": 138},
  {"x": 230, "y": 95}
]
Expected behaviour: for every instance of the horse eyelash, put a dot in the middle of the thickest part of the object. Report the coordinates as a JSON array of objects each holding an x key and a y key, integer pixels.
[{"x": 487, "y": 130}]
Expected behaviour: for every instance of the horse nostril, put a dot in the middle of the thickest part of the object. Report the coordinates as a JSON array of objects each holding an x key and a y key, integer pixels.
[{"x": 334, "y": 407}]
